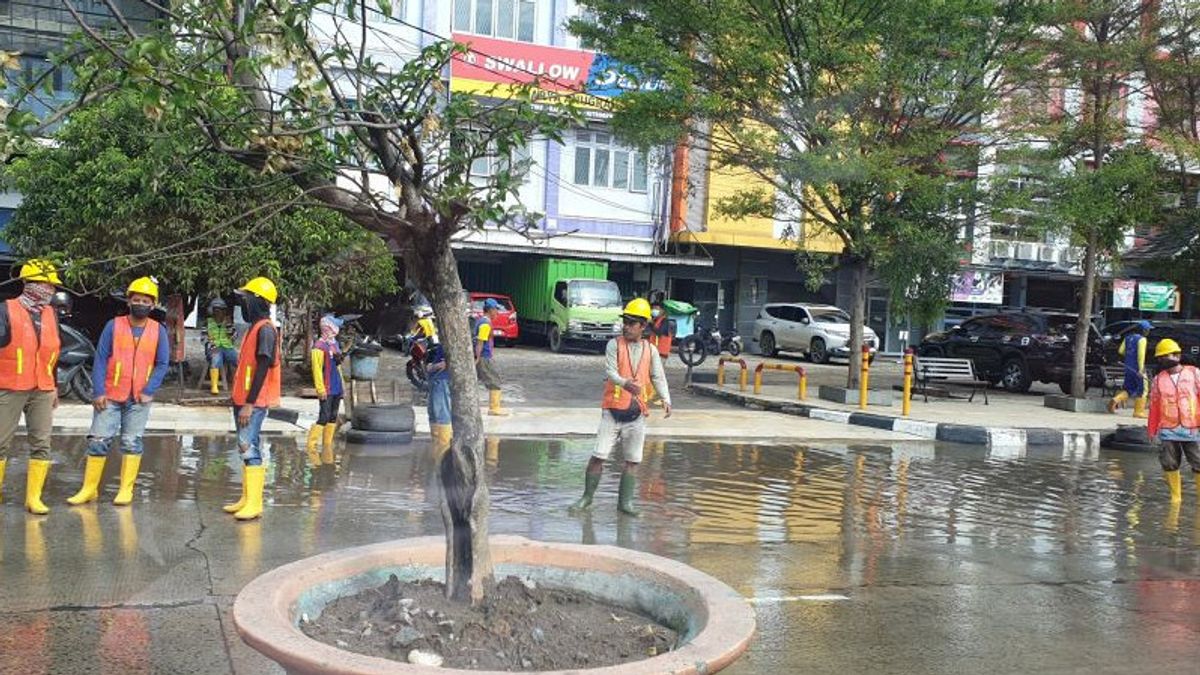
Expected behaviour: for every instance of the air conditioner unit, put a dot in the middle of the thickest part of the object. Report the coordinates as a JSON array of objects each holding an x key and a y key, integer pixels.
[
  {"x": 1068, "y": 257},
  {"x": 1000, "y": 249},
  {"x": 1049, "y": 253},
  {"x": 1027, "y": 251}
]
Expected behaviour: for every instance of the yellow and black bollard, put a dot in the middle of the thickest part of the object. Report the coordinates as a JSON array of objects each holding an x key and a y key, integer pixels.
[
  {"x": 906, "y": 406},
  {"x": 864, "y": 378}
]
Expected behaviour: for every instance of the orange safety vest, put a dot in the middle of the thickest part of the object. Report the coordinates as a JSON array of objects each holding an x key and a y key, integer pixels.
[
  {"x": 1172, "y": 404},
  {"x": 132, "y": 360},
  {"x": 616, "y": 398},
  {"x": 269, "y": 395},
  {"x": 27, "y": 363},
  {"x": 661, "y": 336}
]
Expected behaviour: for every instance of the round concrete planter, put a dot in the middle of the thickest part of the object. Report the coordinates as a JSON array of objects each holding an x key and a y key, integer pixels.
[{"x": 716, "y": 622}]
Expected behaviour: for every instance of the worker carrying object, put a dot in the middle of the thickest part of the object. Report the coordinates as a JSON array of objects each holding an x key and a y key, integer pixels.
[
  {"x": 256, "y": 388},
  {"x": 1133, "y": 351},
  {"x": 29, "y": 347},
  {"x": 631, "y": 364},
  {"x": 1175, "y": 415},
  {"x": 132, "y": 359}
]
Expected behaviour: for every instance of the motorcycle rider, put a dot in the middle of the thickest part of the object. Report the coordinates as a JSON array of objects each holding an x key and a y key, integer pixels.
[
  {"x": 631, "y": 363},
  {"x": 131, "y": 362},
  {"x": 327, "y": 378},
  {"x": 256, "y": 387},
  {"x": 29, "y": 347}
]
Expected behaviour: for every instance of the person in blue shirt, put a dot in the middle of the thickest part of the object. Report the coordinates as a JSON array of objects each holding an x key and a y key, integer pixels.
[
  {"x": 1133, "y": 352},
  {"x": 131, "y": 363},
  {"x": 439, "y": 389}
]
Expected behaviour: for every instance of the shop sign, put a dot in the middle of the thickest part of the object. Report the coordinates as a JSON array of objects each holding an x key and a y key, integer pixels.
[{"x": 985, "y": 288}]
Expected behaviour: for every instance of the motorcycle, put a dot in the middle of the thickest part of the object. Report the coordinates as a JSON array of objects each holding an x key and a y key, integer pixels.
[
  {"x": 696, "y": 347},
  {"x": 75, "y": 356},
  {"x": 416, "y": 347}
]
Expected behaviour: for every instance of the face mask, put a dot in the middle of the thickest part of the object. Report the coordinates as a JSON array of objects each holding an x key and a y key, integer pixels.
[
  {"x": 37, "y": 295},
  {"x": 140, "y": 311},
  {"x": 1168, "y": 361}
]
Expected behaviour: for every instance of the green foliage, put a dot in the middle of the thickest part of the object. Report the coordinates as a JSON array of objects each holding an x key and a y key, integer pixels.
[
  {"x": 849, "y": 109},
  {"x": 117, "y": 196}
]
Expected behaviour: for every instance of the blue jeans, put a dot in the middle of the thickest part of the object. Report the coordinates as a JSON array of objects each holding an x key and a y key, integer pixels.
[
  {"x": 127, "y": 419},
  {"x": 220, "y": 357},
  {"x": 439, "y": 398},
  {"x": 249, "y": 437}
]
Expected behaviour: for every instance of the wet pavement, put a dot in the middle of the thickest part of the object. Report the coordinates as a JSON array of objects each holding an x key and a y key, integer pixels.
[{"x": 859, "y": 559}]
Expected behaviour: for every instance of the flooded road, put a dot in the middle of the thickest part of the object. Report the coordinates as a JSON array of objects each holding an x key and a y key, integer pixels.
[{"x": 907, "y": 559}]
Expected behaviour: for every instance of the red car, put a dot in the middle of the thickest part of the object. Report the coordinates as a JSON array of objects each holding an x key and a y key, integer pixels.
[{"x": 505, "y": 326}]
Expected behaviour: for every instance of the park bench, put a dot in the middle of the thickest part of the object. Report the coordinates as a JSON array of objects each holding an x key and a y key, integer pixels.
[{"x": 939, "y": 370}]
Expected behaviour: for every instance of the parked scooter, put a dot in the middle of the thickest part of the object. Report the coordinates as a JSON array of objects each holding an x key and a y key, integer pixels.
[
  {"x": 76, "y": 355},
  {"x": 416, "y": 347}
]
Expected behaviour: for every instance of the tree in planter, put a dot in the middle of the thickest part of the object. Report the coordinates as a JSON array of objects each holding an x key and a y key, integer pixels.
[
  {"x": 848, "y": 118},
  {"x": 1097, "y": 185},
  {"x": 115, "y": 192},
  {"x": 298, "y": 90}
]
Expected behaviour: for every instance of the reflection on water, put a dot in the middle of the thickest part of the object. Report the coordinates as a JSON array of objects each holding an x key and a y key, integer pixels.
[{"x": 856, "y": 516}]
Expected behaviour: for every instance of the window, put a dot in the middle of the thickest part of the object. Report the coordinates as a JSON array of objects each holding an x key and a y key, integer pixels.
[
  {"x": 560, "y": 293},
  {"x": 483, "y": 168},
  {"x": 602, "y": 162},
  {"x": 32, "y": 67},
  {"x": 509, "y": 19}
]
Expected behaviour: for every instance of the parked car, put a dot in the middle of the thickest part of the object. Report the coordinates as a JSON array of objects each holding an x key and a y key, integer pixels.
[
  {"x": 505, "y": 326},
  {"x": 1186, "y": 333},
  {"x": 1016, "y": 349},
  {"x": 819, "y": 331}
]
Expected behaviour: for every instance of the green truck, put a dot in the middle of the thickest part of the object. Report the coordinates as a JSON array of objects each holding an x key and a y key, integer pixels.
[{"x": 570, "y": 302}]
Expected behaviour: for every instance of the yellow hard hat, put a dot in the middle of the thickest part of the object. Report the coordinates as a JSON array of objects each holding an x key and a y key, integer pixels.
[
  {"x": 40, "y": 270},
  {"x": 637, "y": 308},
  {"x": 144, "y": 286},
  {"x": 263, "y": 288},
  {"x": 1167, "y": 346}
]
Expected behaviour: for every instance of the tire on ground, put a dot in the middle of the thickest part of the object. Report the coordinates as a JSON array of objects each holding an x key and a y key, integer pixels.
[
  {"x": 360, "y": 437},
  {"x": 388, "y": 418}
]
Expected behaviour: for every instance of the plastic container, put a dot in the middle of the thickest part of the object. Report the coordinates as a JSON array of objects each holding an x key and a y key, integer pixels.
[
  {"x": 684, "y": 317},
  {"x": 364, "y": 361}
]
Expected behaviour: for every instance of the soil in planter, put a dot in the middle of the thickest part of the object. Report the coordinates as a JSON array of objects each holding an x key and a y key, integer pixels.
[{"x": 520, "y": 625}]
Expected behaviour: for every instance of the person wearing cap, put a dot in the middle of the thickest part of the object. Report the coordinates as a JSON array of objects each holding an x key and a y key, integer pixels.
[
  {"x": 131, "y": 362},
  {"x": 631, "y": 364},
  {"x": 327, "y": 378},
  {"x": 256, "y": 388},
  {"x": 1133, "y": 350},
  {"x": 1175, "y": 415},
  {"x": 659, "y": 334},
  {"x": 485, "y": 343},
  {"x": 438, "y": 401},
  {"x": 29, "y": 347},
  {"x": 219, "y": 343}
]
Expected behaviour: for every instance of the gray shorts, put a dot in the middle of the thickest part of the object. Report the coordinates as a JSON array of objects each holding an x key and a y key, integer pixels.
[
  {"x": 631, "y": 436},
  {"x": 487, "y": 374}
]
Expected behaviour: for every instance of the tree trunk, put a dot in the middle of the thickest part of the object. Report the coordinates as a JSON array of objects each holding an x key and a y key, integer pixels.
[
  {"x": 857, "y": 267},
  {"x": 1083, "y": 323},
  {"x": 462, "y": 474}
]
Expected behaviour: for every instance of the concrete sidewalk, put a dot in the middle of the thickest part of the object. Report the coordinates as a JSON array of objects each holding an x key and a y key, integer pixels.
[
  {"x": 1007, "y": 419},
  {"x": 532, "y": 421}
]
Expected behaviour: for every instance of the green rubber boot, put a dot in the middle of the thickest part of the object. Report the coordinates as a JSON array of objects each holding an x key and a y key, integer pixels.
[
  {"x": 591, "y": 481},
  {"x": 625, "y": 495}
]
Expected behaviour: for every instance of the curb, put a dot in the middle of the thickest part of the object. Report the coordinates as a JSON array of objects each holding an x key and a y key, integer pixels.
[{"x": 1081, "y": 443}]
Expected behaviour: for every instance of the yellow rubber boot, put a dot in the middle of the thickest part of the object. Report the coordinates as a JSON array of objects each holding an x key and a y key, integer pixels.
[
  {"x": 36, "y": 480},
  {"x": 494, "y": 408},
  {"x": 327, "y": 452},
  {"x": 1174, "y": 483},
  {"x": 255, "y": 477},
  {"x": 214, "y": 377},
  {"x": 3, "y": 464},
  {"x": 129, "y": 471},
  {"x": 1139, "y": 407},
  {"x": 1117, "y": 401},
  {"x": 442, "y": 435},
  {"x": 314, "y": 438},
  {"x": 91, "y": 482},
  {"x": 237, "y": 506}
]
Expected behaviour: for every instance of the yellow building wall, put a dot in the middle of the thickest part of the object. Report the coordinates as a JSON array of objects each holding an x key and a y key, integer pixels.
[{"x": 751, "y": 232}]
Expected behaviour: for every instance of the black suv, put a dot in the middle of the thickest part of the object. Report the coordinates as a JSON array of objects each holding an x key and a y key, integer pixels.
[{"x": 1015, "y": 349}]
